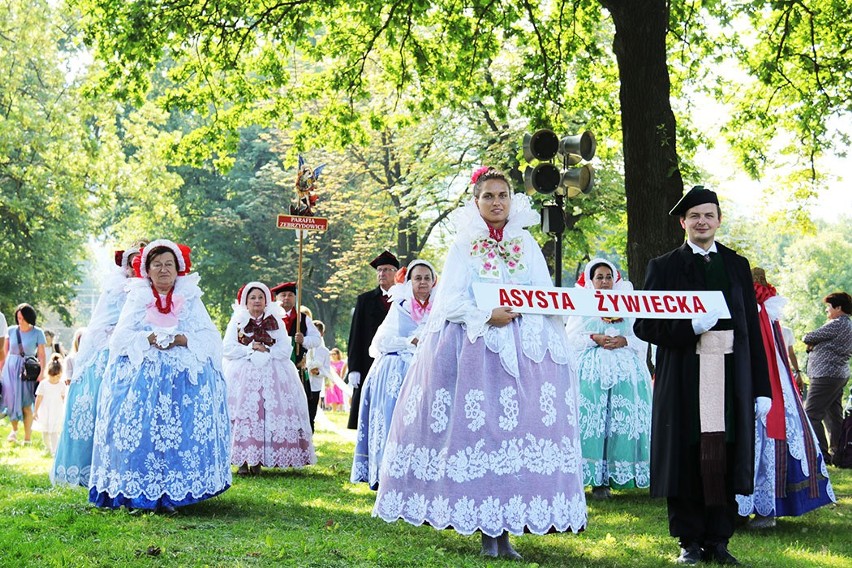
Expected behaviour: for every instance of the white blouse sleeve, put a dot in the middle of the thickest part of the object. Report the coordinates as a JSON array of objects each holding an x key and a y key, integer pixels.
[
  {"x": 775, "y": 307},
  {"x": 454, "y": 301},
  {"x": 282, "y": 349},
  {"x": 578, "y": 334},
  {"x": 633, "y": 342},
  {"x": 319, "y": 358},
  {"x": 390, "y": 336},
  {"x": 130, "y": 337},
  {"x": 232, "y": 349},
  {"x": 202, "y": 338},
  {"x": 313, "y": 338}
]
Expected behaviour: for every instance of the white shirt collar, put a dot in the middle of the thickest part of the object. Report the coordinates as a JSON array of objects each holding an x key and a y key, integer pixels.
[
  {"x": 385, "y": 292},
  {"x": 698, "y": 250}
]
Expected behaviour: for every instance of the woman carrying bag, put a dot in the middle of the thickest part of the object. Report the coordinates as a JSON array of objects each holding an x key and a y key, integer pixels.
[{"x": 19, "y": 376}]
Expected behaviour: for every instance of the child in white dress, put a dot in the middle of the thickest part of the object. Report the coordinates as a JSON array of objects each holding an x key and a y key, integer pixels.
[{"x": 49, "y": 413}]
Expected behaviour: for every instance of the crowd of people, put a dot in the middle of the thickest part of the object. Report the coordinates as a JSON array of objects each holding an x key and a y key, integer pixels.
[{"x": 481, "y": 421}]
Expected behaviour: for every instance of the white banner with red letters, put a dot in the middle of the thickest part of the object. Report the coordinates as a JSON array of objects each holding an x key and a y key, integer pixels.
[{"x": 601, "y": 303}]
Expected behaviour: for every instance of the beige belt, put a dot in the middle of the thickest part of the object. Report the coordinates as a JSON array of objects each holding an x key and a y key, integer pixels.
[{"x": 712, "y": 348}]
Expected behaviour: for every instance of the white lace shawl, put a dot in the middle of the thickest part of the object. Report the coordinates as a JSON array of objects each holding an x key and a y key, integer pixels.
[
  {"x": 97, "y": 334},
  {"x": 454, "y": 300},
  {"x": 398, "y": 329},
  {"x": 234, "y": 351},
  {"x": 580, "y": 328},
  {"x": 131, "y": 333}
]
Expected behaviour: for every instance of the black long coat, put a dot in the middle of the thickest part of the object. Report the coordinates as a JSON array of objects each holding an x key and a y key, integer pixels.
[
  {"x": 370, "y": 312},
  {"x": 675, "y": 394}
]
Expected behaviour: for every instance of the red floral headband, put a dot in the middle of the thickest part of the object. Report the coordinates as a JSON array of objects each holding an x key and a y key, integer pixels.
[{"x": 478, "y": 173}]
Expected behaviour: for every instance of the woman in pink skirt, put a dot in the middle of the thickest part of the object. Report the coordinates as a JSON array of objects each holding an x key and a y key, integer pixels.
[
  {"x": 266, "y": 400},
  {"x": 484, "y": 436}
]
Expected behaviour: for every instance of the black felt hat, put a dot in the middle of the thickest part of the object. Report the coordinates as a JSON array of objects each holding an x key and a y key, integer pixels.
[
  {"x": 698, "y": 195},
  {"x": 385, "y": 258}
]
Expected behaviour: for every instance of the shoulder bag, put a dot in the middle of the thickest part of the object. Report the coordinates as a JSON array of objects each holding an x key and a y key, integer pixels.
[{"x": 31, "y": 368}]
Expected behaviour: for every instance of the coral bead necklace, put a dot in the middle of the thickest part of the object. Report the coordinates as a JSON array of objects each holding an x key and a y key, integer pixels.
[{"x": 158, "y": 302}]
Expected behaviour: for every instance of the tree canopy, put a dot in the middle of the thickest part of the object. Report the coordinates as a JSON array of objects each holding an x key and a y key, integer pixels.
[
  {"x": 545, "y": 62},
  {"x": 188, "y": 121},
  {"x": 47, "y": 160}
]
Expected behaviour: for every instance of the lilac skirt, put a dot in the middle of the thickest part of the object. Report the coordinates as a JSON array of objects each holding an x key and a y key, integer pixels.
[
  {"x": 16, "y": 394},
  {"x": 471, "y": 447}
]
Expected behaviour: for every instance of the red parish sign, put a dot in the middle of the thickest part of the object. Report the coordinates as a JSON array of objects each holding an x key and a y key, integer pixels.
[{"x": 302, "y": 223}]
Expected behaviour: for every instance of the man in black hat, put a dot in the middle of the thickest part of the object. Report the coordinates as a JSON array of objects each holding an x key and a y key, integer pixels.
[
  {"x": 307, "y": 336},
  {"x": 370, "y": 311},
  {"x": 711, "y": 378}
]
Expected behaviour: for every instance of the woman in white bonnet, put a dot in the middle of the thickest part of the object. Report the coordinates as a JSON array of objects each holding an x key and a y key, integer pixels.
[
  {"x": 266, "y": 400},
  {"x": 484, "y": 437},
  {"x": 615, "y": 392}
]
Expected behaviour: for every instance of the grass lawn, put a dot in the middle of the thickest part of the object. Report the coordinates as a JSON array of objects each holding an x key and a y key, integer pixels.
[{"x": 315, "y": 517}]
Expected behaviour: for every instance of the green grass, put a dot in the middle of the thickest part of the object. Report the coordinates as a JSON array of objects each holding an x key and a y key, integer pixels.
[{"x": 315, "y": 517}]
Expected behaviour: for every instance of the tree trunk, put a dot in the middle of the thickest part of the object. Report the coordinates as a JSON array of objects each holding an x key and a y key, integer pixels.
[
  {"x": 406, "y": 238},
  {"x": 651, "y": 176}
]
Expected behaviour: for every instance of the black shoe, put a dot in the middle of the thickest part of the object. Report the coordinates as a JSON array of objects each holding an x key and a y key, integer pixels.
[
  {"x": 760, "y": 522},
  {"x": 489, "y": 546},
  {"x": 719, "y": 554},
  {"x": 689, "y": 555}
]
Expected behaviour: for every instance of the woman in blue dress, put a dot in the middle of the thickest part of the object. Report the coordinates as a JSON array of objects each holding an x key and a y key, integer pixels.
[
  {"x": 392, "y": 348},
  {"x": 24, "y": 339},
  {"x": 162, "y": 436},
  {"x": 790, "y": 475},
  {"x": 615, "y": 392},
  {"x": 72, "y": 465}
]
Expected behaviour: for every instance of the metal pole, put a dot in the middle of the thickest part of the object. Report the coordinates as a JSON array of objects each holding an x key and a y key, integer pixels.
[
  {"x": 557, "y": 262},
  {"x": 298, "y": 307}
]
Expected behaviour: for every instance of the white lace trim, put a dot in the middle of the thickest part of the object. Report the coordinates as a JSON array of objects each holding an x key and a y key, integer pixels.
[
  {"x": 490, "y": 515},
  {"x": 516, "y": 454},
  {"x": 602, "y": 472}
]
